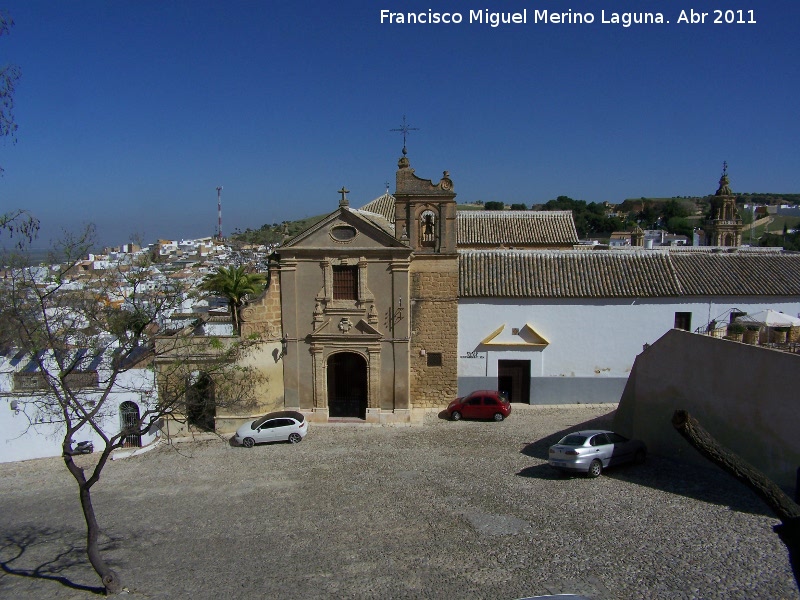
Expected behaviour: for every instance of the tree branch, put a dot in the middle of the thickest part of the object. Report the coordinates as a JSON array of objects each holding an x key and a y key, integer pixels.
[{"x": 784, "y": 507}]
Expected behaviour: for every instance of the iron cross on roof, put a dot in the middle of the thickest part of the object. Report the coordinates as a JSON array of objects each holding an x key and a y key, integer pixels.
[{"x": 405, "y": 129}]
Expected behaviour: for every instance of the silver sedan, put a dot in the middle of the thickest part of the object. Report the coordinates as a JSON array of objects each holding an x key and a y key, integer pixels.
[{"x": 593, "y": 450}]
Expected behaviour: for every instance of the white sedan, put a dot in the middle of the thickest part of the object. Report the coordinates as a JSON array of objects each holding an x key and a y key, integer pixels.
[{"x": 288, "y": 425}]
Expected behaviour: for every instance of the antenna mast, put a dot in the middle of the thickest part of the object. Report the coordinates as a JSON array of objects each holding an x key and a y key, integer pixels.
[{"x": 219, "y": 213}]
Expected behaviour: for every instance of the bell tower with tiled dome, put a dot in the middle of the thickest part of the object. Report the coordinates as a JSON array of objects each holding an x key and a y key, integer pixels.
[{"x": 724, "y": 226}]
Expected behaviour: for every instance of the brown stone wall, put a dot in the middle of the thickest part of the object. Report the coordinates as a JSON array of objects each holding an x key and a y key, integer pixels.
[
  {"x": 263, "y": 316},
  {"x": 434, "y": 324}
]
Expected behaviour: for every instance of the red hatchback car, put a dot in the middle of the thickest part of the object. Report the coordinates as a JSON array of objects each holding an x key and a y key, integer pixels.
[{"x": 480, "y": 404}]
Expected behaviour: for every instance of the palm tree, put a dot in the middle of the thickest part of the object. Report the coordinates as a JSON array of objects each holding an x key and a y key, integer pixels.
[{"x": 235, "y": 284}]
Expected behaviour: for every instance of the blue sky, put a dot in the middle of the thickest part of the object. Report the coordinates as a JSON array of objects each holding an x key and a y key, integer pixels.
[{"x": 130, "y": 114}]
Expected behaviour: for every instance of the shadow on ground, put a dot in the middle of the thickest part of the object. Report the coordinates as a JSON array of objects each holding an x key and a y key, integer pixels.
[
  {"x": 49, "y": 554},
  {"x": 707, "y": 484}
]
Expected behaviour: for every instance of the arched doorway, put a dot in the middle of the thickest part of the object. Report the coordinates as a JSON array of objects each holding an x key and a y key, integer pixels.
[
  {"x": 129, "y": 417},
  {"x": 201, "y": 406},
  {"x": 347, "y": 385}
]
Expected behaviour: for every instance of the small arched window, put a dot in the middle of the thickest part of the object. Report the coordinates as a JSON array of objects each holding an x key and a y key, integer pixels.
[
  {"x": 427, "y": 228},
  {"x": 129, "y": 420}
]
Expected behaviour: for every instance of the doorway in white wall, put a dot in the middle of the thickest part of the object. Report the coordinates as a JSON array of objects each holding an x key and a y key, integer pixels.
[{"x": 514, "y": 380}]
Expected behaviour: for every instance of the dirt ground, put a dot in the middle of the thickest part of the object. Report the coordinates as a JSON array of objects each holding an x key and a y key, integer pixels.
[{"x": 443, "y": 510}]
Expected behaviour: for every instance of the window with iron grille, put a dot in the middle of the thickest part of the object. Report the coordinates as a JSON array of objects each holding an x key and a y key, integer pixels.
[
  {"x": 345, "y": 282},
  {"x": 434, "y": 359}
]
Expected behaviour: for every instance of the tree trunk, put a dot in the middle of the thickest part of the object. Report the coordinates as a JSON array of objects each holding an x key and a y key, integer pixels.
[
  {"x": 783, "y": 506},
  {"x": 109, "y": 577},
  {"x": 235, "y": 314}
]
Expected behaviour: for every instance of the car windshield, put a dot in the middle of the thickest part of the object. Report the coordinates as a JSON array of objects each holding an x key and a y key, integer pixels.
[
  {"x": 573, "y": 440},
  {"x": 257, "y": 423},
  {"x": 277, "y": 415}
]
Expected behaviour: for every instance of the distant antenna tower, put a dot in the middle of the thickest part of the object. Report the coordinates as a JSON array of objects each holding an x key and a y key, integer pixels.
[{"x": 219, "y": 213}]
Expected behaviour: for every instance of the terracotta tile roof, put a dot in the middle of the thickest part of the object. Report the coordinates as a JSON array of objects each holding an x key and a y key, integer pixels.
[
  {"x": 383, "y": 206},
  {"x": 738, "y": 273},
  {"x": 516, "y": 228},
  {"x": 376, "y": 219},
  {"x": 625, "y": 273}
]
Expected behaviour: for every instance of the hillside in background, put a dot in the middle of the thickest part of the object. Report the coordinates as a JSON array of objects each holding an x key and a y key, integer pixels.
[
  {"x": 680, "y": 215},
  {"x": 276, "y": 232}
]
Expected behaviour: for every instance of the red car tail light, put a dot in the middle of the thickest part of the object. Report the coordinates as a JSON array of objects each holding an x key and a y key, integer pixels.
[{"x": 571, "y": 452}]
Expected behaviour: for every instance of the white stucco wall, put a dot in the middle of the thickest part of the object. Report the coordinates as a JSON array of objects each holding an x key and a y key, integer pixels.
[
  {"x": 21, "y": 438},
  {"x": 593, "y": 342}
]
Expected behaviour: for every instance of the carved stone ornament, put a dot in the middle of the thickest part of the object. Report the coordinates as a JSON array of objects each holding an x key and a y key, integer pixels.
[
  {"x": 345, "y": 325},
  {"x": 372, "y": 317},
  {"x": 446, "y": 183}
]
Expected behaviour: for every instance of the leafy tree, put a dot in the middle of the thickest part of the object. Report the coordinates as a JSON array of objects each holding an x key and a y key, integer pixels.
[
  {"x": 615, "y": 224},
  {"x": 649, "y": 215},
  {"x": 789, "y": 241},
  {"x": 235, "y": 284},
  {"x": 88, "y": 343},
  {"x": 672, "y": 208},
  {"x": 520, "y": 206},
  {"x": 494, "y": 205},
  {"x": 680, "y": 226},
  {"x": 590, "y": 219},
  {"x": 565, "y": 203}
]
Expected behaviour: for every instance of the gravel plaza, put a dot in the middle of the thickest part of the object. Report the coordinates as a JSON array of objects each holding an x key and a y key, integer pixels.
[{"x": 437, "y": 509}]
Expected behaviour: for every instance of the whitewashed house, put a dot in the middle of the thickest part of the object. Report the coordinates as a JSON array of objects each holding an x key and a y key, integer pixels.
[
  {"x": 552, "y": 327},
  {"x": 27, "y": 430}
]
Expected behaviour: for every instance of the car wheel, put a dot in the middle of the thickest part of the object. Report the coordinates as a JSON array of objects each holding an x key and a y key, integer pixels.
[
  {"x": 455, "y": 415},
  {"x": 295, "y": 438},
  {"x": 639, "y": 457},
  {"x": 595, "y": 469},
  {"x": 248, "y": 442},
  {"x": 498, "y": 416}
]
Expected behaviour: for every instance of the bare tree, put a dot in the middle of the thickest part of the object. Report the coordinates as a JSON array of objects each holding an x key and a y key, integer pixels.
[
  {"x": 90, "y": 336},
  {"x": 19, "y": 222},
  {"x": 9, "y": 75}
]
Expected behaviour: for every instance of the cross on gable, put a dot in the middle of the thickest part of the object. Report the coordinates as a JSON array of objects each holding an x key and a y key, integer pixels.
[{"x": 344, "y": 192}]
